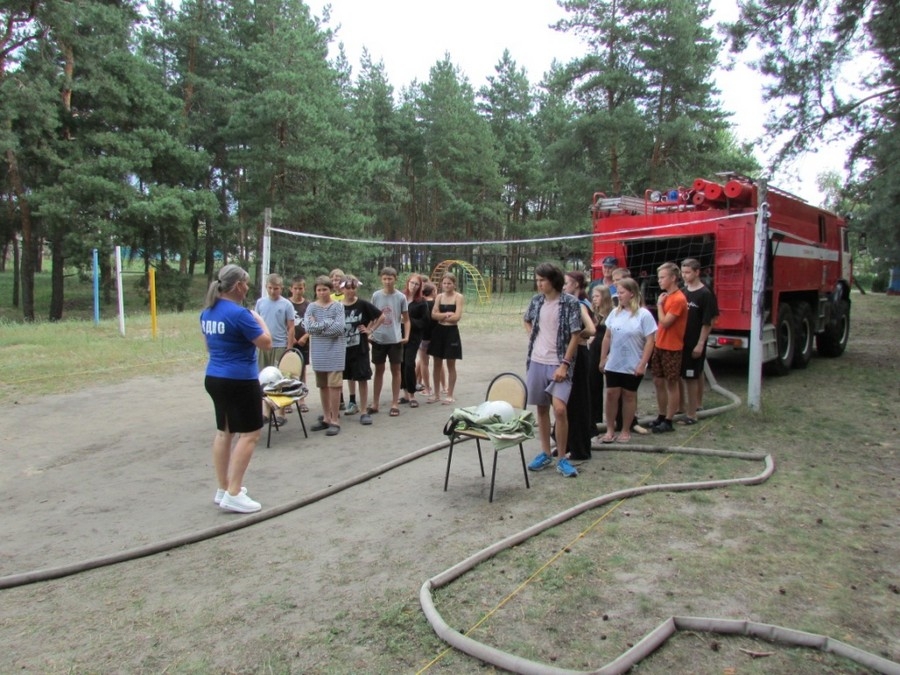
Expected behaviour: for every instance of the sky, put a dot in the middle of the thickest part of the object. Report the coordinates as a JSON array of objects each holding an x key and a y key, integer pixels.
[{"x": 410, "y": 36}]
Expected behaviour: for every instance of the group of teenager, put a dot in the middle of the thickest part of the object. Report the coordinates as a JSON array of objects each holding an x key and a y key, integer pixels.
[
  {"x": 579, "y": 347},
  {"x": 341, "y": 336}
]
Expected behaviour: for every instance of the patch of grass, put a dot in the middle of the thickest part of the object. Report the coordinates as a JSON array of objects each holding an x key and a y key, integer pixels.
[
  {"x": 76, "y": 352},
  {"x": 801, "y": 550}
]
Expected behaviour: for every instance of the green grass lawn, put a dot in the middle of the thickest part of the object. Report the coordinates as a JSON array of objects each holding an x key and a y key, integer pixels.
[
  {"x": 78, "y": 296},
  {"x": 75, "y": 352}
]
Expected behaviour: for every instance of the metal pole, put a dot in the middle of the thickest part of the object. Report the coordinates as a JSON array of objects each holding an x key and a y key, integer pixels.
[
  {"x": 153, "y": 315},
  {"x": 754, "y": 377},
  {"x": 266, "y": 252},
  {"x": 96, "y": 262},
  {"x": 119, "y": 289}
]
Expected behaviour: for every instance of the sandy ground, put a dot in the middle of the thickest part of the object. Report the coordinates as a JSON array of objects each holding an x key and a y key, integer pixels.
[{"x": 114, "y": 468}]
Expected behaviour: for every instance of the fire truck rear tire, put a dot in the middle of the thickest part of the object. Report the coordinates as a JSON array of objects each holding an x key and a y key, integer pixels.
[
  {"x": 785, "y": 341},
  {"x": 832, "y": 341},
  {"x": 805, "y": 335}
]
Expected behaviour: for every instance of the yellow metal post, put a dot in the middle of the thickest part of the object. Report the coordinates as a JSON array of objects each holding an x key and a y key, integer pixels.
[{"x": 152, "y": 282}]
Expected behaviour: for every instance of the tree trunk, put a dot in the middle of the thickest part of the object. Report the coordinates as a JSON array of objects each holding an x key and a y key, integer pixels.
[
  {"x": 17, "y": 268},
  {"x": 28, "y": 248},
  {"x": 56, "y": 279},
  {"x": 106, "y": 278}
]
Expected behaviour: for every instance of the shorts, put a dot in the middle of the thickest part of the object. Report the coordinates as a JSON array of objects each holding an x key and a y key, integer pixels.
[
  {"x": 627, "y": 381},
  {"x": 423, "y": 346},
  {"x": 357, "y": 367},
  {"x": 382, "y": 353},
  {"x": 238, "y": 404},
  {"x": 541, "y": 387},
  {"x": 269, "y": 357},
  {"x": 329, "y": 379},
  {"x": 666, "y": 364},
  {"x": 691, "y": 368}
]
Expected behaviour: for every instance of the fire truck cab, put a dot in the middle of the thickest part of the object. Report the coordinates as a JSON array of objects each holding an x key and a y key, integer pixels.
[{"x": 807, "y": 271}]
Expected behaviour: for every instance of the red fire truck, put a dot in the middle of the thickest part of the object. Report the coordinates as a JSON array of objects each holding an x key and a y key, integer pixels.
[{"x": 807, "y": 272}]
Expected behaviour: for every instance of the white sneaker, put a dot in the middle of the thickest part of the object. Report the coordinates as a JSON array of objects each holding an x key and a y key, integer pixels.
[
  {"x": 240, "y": 503},
  {"x": 221, "y": 493}
]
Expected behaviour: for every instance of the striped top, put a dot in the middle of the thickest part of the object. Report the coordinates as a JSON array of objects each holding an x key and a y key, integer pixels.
[{"x": 327, "y": 346}]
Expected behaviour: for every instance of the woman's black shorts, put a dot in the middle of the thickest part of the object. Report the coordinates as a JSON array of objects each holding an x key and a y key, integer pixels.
[
  {"x": 627, "y": 381},
  {"x": 238, "y": 404}
]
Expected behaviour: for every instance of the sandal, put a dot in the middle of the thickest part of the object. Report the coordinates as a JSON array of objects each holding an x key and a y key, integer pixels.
[
  {"x": 304, "y": 408},
  {"x": 432, "y": 399},
  {"x": 371, "y": 410},
  {"x": 394, "y": 412},
  {"x": 608, "y": 438},
  {"x": 413, "y": 403},
  {"x": 448, "y": 401},
  {"x": 624, "y": 438}
]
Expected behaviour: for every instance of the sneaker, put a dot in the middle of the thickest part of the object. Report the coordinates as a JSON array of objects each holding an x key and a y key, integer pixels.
[
  {"x": 352, "y": 409},
  {"x": 280, "y": 421},
  {"x": 663, "y": 427},
  {"x": 688, "y": 421},
  {"x": 656, "y": 422},
  {"x": 542, "y": 461},
  {"x": 566, "y": 469},
  {"x": 221, "y": 493},
  {"x": 333, "y": 430},
  {"x": 343, "y": 406},
  {"x": 365, "y": 419},
  {"x": 240, "y": 503}
]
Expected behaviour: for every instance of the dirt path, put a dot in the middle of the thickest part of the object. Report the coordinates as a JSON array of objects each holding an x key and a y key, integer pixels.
[{"x": 118, "y": 467}]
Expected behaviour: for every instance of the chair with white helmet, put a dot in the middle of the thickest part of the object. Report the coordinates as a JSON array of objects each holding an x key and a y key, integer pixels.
[
  {"x": 506, "y": 397},
  {"x": 290, "y": 367}
]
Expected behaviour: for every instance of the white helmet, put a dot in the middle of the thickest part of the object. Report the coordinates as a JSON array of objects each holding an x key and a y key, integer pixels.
[
  {"x": 499, "y": 409},
  {"x": 270, "y": 375}
]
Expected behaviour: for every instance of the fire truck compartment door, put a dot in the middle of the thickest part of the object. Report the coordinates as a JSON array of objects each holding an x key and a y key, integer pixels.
[{"x": 730, "y": 285}]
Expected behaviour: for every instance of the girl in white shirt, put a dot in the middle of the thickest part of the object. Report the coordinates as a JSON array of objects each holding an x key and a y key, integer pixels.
[{"x": 627, "y": 346}]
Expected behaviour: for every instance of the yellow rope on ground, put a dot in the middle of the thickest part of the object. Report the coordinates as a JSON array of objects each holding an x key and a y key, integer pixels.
[{"x": 608, "y": 512}]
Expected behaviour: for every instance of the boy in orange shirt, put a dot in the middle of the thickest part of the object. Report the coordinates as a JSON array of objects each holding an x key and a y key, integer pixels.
[{"x": 671, "y": 313}]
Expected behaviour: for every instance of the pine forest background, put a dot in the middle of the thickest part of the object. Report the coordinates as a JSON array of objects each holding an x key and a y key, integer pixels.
[{"x": 170, "y": 129}]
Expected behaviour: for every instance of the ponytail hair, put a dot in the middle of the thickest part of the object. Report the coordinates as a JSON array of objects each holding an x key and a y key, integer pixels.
[{"x": 225, "y": 281}]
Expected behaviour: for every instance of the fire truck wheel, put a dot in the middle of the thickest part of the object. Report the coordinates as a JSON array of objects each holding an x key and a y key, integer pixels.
[
  {"x": 805, "y": 334},
  {"x": 785, "y": 340},
  {"x": 832, "y": 341}
]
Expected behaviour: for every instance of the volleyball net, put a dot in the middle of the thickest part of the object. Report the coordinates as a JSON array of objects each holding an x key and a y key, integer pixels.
[{"x": 495, "y": 276}]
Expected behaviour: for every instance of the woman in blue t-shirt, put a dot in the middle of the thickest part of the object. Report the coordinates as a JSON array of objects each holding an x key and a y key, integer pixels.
[{"x": 232, "y": 334}]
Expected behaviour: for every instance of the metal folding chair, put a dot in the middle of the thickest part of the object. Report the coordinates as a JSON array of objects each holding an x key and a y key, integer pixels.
[
  {"x": 507, "y": 387},
  {"x": 290, "y": 365}
]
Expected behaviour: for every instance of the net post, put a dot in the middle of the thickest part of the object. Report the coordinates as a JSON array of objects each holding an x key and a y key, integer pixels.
[
  {"x": 754, "y": 376},
  {"x": 266, "y": 251}
]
